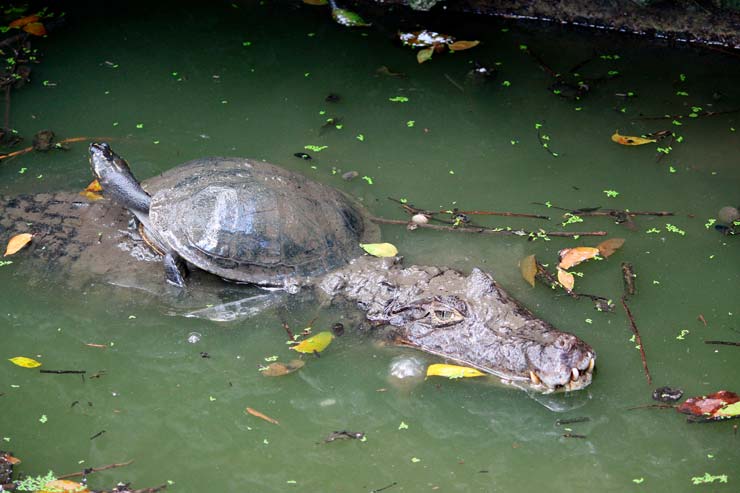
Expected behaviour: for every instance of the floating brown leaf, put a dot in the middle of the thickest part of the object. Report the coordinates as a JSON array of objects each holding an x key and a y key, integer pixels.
[
  {"x": 463, "y": 45},
  {"x": 278, "y": 369},
  {"x": 35, "y": 28},
  {"x": 566, "y": 279},
  {"x": 259, "y": 415},
  {"x": 17, "y": 242},
  {"x": 10, "y": 459},
  {"x": 719, "y": 405},
  {"x": 608, "y": 247},
  {"x": 528, "y": 266},
  {"x": 574, "y": 256},
  {"x": 24, "y": 20}
]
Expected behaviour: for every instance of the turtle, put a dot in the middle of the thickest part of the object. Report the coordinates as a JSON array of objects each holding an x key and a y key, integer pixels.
[{"x": 243, "y": 220}]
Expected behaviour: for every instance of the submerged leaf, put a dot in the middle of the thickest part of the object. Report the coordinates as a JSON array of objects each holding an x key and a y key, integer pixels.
[
  {"x": 25, "y": 362},
  {"x": 463, "y": 45},
  {"x": 528, "y": 266},
  {"x": 629, "y": 140},
  {"x": 278, "y": 369},
  {"x": 315, "y": 2},
  {"x": 259, "y": 415},
  {"x": 425, "y": 54},
  {"x": 566, "y": 279},
  {"x": 348, "y": 18},
  {"x": 574, "y": 256},
  {"x": 380, "y": 249},
  {"x": 453, "y": 371},
  {"x": 17, "y": 242},
  {"x": 314, "y": 344},
  {"x": 608, "y": 247}
]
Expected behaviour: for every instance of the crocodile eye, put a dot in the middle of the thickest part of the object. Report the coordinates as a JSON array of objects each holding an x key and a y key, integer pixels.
[{"x": 443, "y": 315}]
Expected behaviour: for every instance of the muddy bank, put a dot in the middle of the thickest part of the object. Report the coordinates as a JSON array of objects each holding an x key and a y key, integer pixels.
[{"x": 705, "y": 22}]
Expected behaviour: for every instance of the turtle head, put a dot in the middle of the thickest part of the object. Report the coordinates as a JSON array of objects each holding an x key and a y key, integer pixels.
[{"x": 116, "y": 179}]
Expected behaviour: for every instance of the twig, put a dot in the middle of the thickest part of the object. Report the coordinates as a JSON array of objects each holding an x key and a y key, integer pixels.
[
  {"x": 661, "y": 155},
  {"x": 628, "y": 277},
  {"x": 598, "y": 211},
  {"x": 573, "y": 435},
  {"x": 452, "y": 81},
  {"x": 546, "y": 145},
  {"x": 482, "y": 230},
  {"x": 569, "y": 421},
  {"x": 415, "y": 210},
  {"x": 602, "y": 304},
  {"x": 638, "y": 339},
  {"x": 7, "y": 107},
  {"x": 723, "y": 343},
  {"x": 95, "y": 469},
  {"x": 64, "y": 372},
  {"x": 652, "y": 406},
  {"x": 377, "y": 490},
  {"x": 65, "y": 141}
]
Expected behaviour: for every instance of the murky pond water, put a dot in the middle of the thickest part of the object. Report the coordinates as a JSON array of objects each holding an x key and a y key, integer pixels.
[{"x": 167, "y": 85}]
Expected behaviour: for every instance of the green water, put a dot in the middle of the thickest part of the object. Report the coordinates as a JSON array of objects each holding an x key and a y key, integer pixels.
[{"x": 181, "y": 416}]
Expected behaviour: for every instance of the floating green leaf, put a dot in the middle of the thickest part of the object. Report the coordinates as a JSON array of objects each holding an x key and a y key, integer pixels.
[
  {"x": 380, "y": 249},
  {"x": 314, "y": 344},
  {"x": 348, "y": 18}
]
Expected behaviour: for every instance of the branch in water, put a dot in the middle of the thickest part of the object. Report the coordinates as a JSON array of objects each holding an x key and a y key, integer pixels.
[
  {"x": 698, "y": 115},
  {"x": 414, "y": 210},
  {"x": 638, "y": 339},
  {"x": 95, "y": 469},
  {"x": 482, "y": 230},
  {"x": 61, "y": 142}
]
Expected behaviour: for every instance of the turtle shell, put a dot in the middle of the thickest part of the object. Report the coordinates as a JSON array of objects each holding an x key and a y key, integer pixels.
[{"x": 255, "y": 222}]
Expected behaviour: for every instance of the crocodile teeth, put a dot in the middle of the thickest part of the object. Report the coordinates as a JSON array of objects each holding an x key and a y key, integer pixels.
[
  {"x": 591, "y": 365},
  {"x": 574, "y": 374},
  {"x": 535, "y": 379}
]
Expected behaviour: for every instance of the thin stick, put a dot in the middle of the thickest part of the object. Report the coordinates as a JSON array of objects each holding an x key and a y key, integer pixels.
[
  {"x": 482, "y": 230},
  {"x": 65, "y": 141},
  {"x": 95, "y": 469},
  {"x": 546, "y": 145},
  {"x": 415, "y": 210},
  {"x": 652, "y": 406},
  {"x": 723, "y": 343},
  {"x": 64, "y": 372},
  {"x": 598, "y": 211},
  {"x": 452, "y": 81},
  {"x": 638, "y": 339}
]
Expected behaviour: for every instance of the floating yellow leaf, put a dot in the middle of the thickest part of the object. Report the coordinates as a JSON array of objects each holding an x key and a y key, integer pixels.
[
  {"x": 608, "y": 247},
  {"x": 63, "y": 486},
  {"x": 314, "y": 344},
  {"x": 278, "y": 369},
  {"x": 380, "y": 249},
  {"x": 628, "y": 140},
  {"x": 574, "y": 256},
  {"x": 425, "y": 54},
  {"x": 259, "y": 415},
  {"x": 463, "y": 45},
  {"x": 94, "y": 186},
  {"x": 528, "y": 266},
  {"x": 25, "y": 362},
  {"x": 452, "y": 371},
  {"x": 566, "y": 279},
  {"x": 17, "y": 242}
]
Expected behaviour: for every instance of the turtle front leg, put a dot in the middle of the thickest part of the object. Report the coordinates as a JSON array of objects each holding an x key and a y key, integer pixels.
[{"x": 175, "y": 270}]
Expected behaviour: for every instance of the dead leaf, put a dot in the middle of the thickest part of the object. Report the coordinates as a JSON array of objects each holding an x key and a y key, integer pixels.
[
  {"x": 629, "y": 140},
  {"x": 94, "y": 186},
  {"x": 259, "y": 415},
  {"x": 35, "y": 28},
  {"x": 314, "y": 344},
  {"x": 91, "y": 195},
  {"x": 24, "y": 20},
  {"x": 17, "y": 242},
  {"x": 425, "y": 54},
  {"x": 453, "y": 371},
  {"x": 278, "y": 369},
  {"x": 719, "y": 405},
  {"x": 24, "y": 362},
  {"x": 574, "y": 256},
  {"x": 528, "y": 266},
  {"x": 463, "y": 45},
  {"x": 380, "y": 249},
  {"x": 63, "y": 486},
  {"x": 10, "y": 459},
  {"x": 608, "y": 247},
  {"x": 566, "y": 279}
]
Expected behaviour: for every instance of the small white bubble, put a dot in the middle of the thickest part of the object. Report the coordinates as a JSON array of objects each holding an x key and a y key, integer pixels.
[{"x": 194, "y": 337}]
